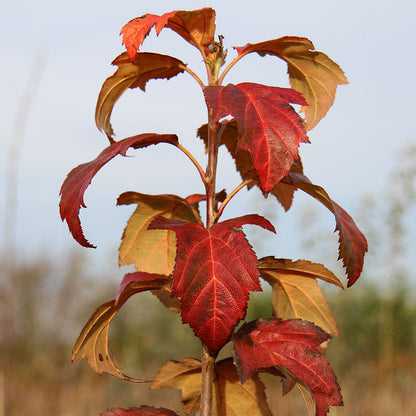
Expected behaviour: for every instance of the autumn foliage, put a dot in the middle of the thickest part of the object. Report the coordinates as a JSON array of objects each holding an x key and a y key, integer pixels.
[{"x": 206, "y": 269}]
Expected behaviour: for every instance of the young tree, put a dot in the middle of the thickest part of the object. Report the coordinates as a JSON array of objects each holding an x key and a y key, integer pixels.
[{"x": 206, "y": 270}]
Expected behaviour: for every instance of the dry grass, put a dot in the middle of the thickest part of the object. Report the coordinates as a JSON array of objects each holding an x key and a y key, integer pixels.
[{"x": 37, "y": 378}]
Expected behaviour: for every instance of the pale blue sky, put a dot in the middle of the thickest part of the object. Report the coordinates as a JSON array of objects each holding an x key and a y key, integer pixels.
[{"x": 352, "y": 150}]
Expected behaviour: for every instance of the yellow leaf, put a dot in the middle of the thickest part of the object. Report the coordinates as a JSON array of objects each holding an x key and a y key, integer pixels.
[
  {"x": 230, "y": 397},
  {"x": 296, "y": 293},
  {"x": 92, "y": 342},
  {"x": 152, "y": 251}
]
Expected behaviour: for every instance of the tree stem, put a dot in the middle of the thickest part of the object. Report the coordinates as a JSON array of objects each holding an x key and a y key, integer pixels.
[
  {"x": 207, "y": 362},
  {"x": 210, "y": 176}
]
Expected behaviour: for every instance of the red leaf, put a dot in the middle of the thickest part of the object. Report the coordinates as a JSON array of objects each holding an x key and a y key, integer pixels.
[
  {"x": 294, "y": 345},
  {"x": 310, "y": 72},
  {"x": 268, "y": 126},
  {"x": 214, "y": 271},
  {"x": 196, "y": 27},
  {"x": 352, "y": 242},
  {"x": 139, "y": 411},
  {"x": 77, "y": 181}
]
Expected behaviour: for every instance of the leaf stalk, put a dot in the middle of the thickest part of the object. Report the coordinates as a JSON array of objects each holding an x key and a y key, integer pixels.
[
  {"x": 193, "y": 160},
  {"x": 230, "y": 196}
]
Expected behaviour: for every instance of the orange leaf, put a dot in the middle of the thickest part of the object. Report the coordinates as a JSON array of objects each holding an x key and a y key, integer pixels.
[
  {"x": 311, "y": 72},
  {"x": 132, "y": 74},
  {"x": 197, "y": 27}
]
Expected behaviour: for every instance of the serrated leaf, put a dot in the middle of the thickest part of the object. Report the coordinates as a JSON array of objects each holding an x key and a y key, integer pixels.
[
  {"x": 92, "y": 342},
  {"x": 228, "y": 135},
  {"x": 268, "y": 126},
  {"x": 197, "y": 27},
  {"x": 285, "y": 194},
  {"x": 77, "y": 181},
  {"x": 296, "y": 293},
  {"x": 132, "y": 74},
  {"x": 230, "y": 397},
  {"x": 214, "y": 271},
  {"x": 352, "y": 242},
  {"x": 152, "y": 251},
  {"x": 294, "y": 345},
  {"x": 311, "y": 72},
  {"x": 139, "y": 411}
]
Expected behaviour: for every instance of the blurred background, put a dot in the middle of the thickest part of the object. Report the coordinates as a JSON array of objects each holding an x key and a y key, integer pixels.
[{"x": 56, "y": 57}]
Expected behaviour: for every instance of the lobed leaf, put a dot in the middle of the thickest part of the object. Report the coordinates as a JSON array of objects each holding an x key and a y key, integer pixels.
[
  {"x": 77, "y": 181},
  {"x": 296, "y": 293},
  {"x": 230, "y": 397},
  {"x": 214, "y": 271},
  {"x": 352, "y": 242},
  {"x": 92, "y": 342},
  {"x": 197, "y": 27},
  {"x": 139, "y": 411},
  {"x": 268, "y": 126},
  {"x": 311, "y": 72},
  {"x": 294, "y": 345},
  {"x": 132, "y": 74}
]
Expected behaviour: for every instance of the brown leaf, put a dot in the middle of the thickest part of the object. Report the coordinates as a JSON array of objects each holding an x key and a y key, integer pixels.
[
  {"x": 92, "y": 342},
  {"x": 228, "y": 135},
  {"x": 296, "y": 293},
  {"x": 284, "y": 194},
  {"x": 311, "y": 72},
  {"x": 230, "y": 397},
  {"x": 132, "y": 74}
]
